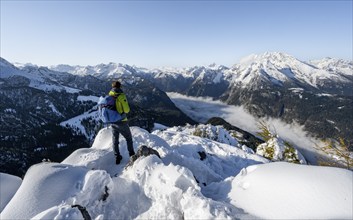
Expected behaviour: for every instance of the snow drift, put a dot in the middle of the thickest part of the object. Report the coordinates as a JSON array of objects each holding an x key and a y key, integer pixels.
[
  {"x": 225, "y": 183},
  {"x": 288, "y": 191},
  {"x": 9, "y": 184}
]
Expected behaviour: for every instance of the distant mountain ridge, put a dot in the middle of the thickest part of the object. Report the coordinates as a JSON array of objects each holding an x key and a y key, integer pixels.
[
  {"x": 272, "y": 84},
  {"x": 278, "y": 68}
]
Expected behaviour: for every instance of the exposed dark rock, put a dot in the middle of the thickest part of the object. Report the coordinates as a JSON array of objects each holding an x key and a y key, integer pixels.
[
  {"x": 84, "y": 212},
  {"x": 142, "y": 151},
  {"x": 245, "y": 138},
  {"x": 204, "y": 184},
  {"x": 106, "y": 194},
  {"x": 202, "y": 155}
]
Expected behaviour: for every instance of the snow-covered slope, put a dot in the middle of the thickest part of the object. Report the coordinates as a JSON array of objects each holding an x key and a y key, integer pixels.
[
  {"x": 36, "y": 77},
  {"x": 275, "y": 67},
  {"x": 334, "y": 65},
  {"x": 9, "y": 184},
  {"x": 76, "y": 123},
  {"x": 288, "y": 191},
  {"x": 109, "y": 70},
  {"x": 226, "y": 183},
  {"x": 280, "y": 67}
]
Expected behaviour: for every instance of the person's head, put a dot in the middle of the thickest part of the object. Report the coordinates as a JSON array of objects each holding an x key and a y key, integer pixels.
[{"x": 116, "y": 84}]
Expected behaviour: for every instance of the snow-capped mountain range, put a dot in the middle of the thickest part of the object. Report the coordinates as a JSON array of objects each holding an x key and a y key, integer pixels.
[
  {"x": 278, "y": 68},
  {"x": 268, "y": 85},
  {"x": 202, "y": 171},
  {"x": 316, "y": 94},
  {"x": 329, "y": 75}
]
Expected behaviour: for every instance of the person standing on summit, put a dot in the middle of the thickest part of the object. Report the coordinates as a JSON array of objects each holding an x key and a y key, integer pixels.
[{"x": 113, "y": 110}]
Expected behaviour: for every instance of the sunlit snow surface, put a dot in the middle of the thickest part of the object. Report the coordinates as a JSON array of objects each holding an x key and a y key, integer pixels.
[
  {"x": 9, "y": 184},
  {"x": 232, "y": 184},
  {"x": 289, "y": 191}
]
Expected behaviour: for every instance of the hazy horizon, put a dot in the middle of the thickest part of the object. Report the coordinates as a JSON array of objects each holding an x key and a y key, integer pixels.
[{"x": 20, "y": 64}]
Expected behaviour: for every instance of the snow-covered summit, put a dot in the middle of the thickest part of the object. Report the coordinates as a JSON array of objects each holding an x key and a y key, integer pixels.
[
  {"x": 278, "y": 68},
  {"x": 110, "y": 70},
  {"x": 273, "y": 57},
  {"x": 23, "y": 65},
  {"x": 215, "y": 66},
  {"x": 8, "y": 70},
  {"x": 33, "y": 76},
  {"x": 275, "y": 67},
  {"x": 195, "y": 178},
  {"x": 5, "y": 64},
  {"x": 65, "y": 68},
  {"x": 329, "y": 62},
  {"x": 334, "y": 65}
]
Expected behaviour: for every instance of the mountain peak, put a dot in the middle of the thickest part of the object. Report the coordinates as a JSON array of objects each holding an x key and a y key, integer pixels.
[
  {"x": 277, "y": 68},
  {"x": 274, "y": 57},
  {"x": 276, "y": 54},
  {"x": 5, "y": 63},
  {"x": 329, "y": 63},
  {"x": 215, "y": 66}
]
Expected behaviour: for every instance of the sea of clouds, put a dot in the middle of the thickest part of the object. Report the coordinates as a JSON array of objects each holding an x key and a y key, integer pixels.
[{"x": 201, "y": 109}]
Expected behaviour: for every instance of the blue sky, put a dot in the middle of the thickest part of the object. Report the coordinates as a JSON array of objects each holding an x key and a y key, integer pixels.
[{"x": 172, "y": 33}]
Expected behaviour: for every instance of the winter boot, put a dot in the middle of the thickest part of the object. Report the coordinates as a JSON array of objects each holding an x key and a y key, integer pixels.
[
  {"x": 118, "y": 158},
  {"x": 131, "y": 153}
]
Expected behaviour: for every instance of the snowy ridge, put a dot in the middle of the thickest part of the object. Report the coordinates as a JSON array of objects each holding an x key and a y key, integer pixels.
[
  {"x": 279, "y": 68},
  {"x": 334, "y": 65},
  {"x": 36, "y": 77},
  {"x": 228, "y": 183},
  {"x": 274, "y": 67},
  {"x": 109, "y": 70}
]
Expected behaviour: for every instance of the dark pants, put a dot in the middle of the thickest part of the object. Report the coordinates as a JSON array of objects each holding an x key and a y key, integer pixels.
[{"x": 122, "y": 127}]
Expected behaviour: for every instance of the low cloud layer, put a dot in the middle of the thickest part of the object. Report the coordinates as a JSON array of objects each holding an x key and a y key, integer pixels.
[{"x": 201, "y": 109}]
